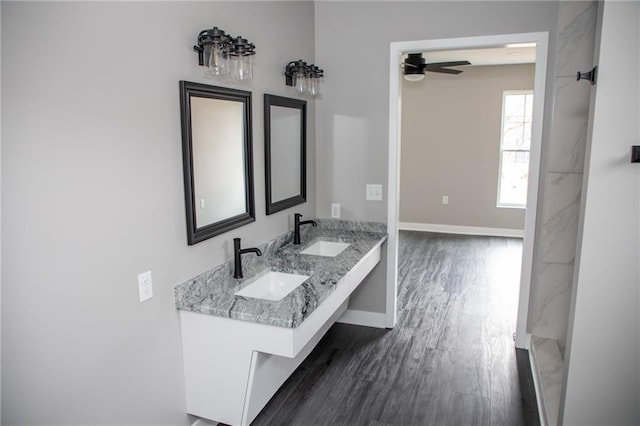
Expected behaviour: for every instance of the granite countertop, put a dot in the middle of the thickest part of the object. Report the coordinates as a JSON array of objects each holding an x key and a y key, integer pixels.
[{"x": 212, "y": 292}]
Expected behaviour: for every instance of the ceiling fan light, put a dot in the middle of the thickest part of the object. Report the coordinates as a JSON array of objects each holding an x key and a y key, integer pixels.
[{"x": 413, "y": 77}]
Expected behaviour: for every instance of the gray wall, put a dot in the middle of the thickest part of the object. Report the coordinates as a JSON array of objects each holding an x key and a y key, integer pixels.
[
  {"x": 352, "y": 45},
  {"x": 93, "y": 195},
  {"x": 451, "y": 127}
]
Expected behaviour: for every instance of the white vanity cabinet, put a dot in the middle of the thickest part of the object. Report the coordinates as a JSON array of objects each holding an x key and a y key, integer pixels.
[{"x": 233, "y": 367}]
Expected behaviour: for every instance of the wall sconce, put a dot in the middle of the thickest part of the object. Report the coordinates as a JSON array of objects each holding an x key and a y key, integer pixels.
[
  {"x": 222, "y": 54},
  {"x": 305, "y": 79}
]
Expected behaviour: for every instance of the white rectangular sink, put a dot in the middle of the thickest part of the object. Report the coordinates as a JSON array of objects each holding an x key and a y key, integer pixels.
[
  {"x": 325, "y": 248},
  {"x": 272, "y": 286}
]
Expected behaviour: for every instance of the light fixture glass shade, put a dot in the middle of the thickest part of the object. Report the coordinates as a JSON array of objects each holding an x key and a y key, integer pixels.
[
  {"x": 301, "y": 83},
  {"x": 216, "y": 60},
  {"x": 413, "y": 77},
  {"x": 243, "y": 67},
  {"x": 242, "y": 58},
  {"x": 314, "y": 86}
]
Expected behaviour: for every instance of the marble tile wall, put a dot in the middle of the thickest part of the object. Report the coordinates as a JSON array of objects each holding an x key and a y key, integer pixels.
[
  {"x": 552, "y": 305},
  {"x": 563, "y": 175},
  {"x": 560, "y": 217}
]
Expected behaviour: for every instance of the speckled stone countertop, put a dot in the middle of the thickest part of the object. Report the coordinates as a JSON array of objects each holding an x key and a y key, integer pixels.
[{"x": 212, "y": 292}]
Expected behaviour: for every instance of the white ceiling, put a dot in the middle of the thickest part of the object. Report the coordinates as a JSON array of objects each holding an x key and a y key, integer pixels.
[{"x": 486, "y": 56}]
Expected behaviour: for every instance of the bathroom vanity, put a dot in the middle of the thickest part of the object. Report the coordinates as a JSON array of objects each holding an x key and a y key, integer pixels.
[{"x": 242, "y": 338}]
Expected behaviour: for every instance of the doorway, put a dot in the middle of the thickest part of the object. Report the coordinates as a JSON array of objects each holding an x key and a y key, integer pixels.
[{"x": 397, "y": 49}]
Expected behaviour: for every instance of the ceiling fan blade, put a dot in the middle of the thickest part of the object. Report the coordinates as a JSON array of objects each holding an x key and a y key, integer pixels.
[
  {"x": 444, "y": 70},
  {"x": 407, "y": 64},
  {"x": 448, "y": 64}
]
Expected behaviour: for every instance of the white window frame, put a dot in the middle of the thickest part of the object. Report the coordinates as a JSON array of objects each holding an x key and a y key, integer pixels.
[{"x": 506, "y": 93}]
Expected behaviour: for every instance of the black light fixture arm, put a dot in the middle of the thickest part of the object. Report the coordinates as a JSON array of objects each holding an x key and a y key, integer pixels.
[
  {"x": 242, "y": 47},
  {"x": 291, "y": 69}
]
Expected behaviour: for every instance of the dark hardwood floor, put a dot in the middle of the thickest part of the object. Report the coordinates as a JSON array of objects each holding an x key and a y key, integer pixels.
[{"x": 449, "y": 361}]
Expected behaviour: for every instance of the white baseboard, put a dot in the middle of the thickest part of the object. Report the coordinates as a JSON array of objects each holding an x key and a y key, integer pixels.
[
  {"x": 537, "y": 380},
  {"x": 365, "y": 318},
  {"x": 537, "y": 385},
  {"x": 548, "y": 363},
  {"x": 204, "y": 422},
  {"x": 465, "y": 230}
]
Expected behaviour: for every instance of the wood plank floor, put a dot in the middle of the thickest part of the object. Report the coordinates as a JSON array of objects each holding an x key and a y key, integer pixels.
[{"x": 449, "y": 361}]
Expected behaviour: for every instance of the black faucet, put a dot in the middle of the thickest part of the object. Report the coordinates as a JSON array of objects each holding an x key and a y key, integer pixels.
[
  {"x": 296, "y": 227},
  {"x": 237, "y": 253}
]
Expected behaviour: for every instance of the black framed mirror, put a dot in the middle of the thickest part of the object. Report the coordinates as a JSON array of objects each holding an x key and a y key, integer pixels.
[
  {"x": 285, "y": 146},
  {"x": 217, "y": 159}
]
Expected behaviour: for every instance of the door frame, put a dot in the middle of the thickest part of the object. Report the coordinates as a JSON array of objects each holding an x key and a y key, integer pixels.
[{"x": 396, "y": 50}]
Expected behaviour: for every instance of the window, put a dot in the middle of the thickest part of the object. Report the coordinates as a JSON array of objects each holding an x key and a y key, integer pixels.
[{"x": 515, "y": 143}]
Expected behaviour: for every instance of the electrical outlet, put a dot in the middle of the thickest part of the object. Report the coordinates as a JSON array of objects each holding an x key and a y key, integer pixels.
[
  {"x": 145, "y": 286},
  {"x": 374, "y": 192},
  {"x": 445, "y": 199},
  {"x": 335, "y": 210}
]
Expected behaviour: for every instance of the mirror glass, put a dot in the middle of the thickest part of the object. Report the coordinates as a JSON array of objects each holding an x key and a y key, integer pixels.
[
  {"x": 285, "y": 152},
  {"x": 217, "y": 160}
]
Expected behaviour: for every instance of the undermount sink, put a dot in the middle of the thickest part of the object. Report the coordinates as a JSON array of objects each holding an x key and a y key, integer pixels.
[
  {"x": 272, "y": 285},
  {"x": 325, "y": 248}
]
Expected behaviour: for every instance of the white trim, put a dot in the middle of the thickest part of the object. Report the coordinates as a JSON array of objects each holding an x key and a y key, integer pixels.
[
  {"x": 537, "y": 384},
  {"x": 396, "y": 49},
  {"x": 365, "y": 318},
  {"x": 204, "y": 422},
  {"x": 393, "y": 185},
  {"x": 542, "y": 41},
  {"x": 465, "y": 230},
  {"x": 550, "y": 367}
]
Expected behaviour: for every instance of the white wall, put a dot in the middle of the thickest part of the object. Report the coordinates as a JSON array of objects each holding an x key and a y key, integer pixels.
[
  {"x": 92, "y": 195},
  {"x": 451, "y": 130},
  {"x": 602, "y": 380},
  {"x": 352, "y": 46}
]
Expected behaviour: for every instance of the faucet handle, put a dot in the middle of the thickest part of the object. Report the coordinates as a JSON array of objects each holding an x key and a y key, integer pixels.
[{"x": 237, "y": 246}]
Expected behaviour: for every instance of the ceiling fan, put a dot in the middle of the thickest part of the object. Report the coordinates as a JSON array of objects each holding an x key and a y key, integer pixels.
[{"x": 415, "y": 67}]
